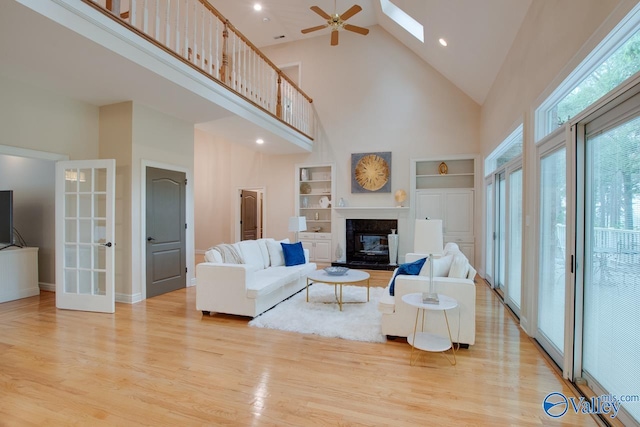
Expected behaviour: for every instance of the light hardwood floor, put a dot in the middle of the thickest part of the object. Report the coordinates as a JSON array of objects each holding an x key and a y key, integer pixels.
[{"x": 160, "y": 362}]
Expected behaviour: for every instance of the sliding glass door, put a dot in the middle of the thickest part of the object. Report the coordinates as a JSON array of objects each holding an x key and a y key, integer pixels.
[
  {"x": 504, "y": 232},
  {"x": 500, "y": 232},
  {"x": 514, "y": 242},
  {"x": 551, "y": 257},
  {"x": 611, "y": 287},
  {"x": 490, "y": 235}
]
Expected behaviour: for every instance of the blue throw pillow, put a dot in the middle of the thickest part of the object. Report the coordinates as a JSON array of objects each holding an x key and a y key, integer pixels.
[
  {"x": 293, "y": 254},
  {"x": 410, "y": 269}
]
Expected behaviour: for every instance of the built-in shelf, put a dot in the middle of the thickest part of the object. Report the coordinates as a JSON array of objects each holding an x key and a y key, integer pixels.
[
  {"x": 314, "y": 184},
  {"x": 445, "y": 176},
  {"x": 447, "y": 173},
  {"x": 444, "y": 188}
]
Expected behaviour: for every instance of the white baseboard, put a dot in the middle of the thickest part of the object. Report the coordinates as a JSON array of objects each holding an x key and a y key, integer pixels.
[
  {"x": 193, "y": 282},
  {"x": 128, "y": 298},
  {"x": 49, "y": 287},
  {"x": 124, "y": 298}
]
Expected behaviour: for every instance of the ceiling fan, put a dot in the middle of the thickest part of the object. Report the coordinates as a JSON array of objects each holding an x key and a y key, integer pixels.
[{"x": 337, "y": 22}]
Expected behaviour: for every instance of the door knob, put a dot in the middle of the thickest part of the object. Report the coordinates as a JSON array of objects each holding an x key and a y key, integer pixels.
[
  {"x": 150, "y": 239},
  {"x": 108, "y": 244}
]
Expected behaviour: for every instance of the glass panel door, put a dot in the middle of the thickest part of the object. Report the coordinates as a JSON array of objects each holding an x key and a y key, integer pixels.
[
  {"x": 611, "y": 317},
  {"x": 84, "y": 235},
  {"x": 551, "y": 260},
  {"x": 488, "y": 241},
  {"x": 514, "y": 266},
  {"x": 500, "y": 231}
]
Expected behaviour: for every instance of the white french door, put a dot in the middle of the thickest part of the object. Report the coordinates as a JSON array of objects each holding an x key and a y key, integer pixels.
[{"x": 85, "y": 227}]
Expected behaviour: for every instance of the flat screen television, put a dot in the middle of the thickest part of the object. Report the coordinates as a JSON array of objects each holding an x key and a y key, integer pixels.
[{"x": 6, "y": 217}]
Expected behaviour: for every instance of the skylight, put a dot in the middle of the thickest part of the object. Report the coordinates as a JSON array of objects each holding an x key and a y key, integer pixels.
[{"x": 403, "y": 19}]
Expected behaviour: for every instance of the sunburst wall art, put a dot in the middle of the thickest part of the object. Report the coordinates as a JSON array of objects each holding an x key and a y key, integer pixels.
[{"x": 371, "y": 172}]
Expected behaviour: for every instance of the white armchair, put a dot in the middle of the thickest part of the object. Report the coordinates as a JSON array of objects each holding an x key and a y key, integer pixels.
[{"x": 398, "y": 318}]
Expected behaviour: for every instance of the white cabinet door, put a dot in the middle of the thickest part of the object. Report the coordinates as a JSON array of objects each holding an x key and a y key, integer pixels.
[
  {"x": 458, "y": 212},
  {"x": 323, "y": 251},
  {"x": 308, "y": 244},
  {"x": 453, "y": 206},
  {"x": 429, "y": 204}
]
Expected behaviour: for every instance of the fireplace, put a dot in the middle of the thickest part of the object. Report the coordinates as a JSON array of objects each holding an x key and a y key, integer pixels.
[{"x": 367, "y": 244}]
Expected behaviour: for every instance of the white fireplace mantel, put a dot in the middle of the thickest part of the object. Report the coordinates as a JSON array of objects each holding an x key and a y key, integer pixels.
[{"x": 395, "y": 212}]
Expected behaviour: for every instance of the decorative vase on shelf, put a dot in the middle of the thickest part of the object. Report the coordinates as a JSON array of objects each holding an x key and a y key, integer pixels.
[
  {"x": 304, "y": 174},
  {"x": 393, "y": 247},
  {"x": 305, "y": 202}
]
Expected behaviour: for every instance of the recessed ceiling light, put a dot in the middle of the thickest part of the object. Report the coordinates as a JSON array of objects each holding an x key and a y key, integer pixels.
[
  {"x": 443, "y": 42},
  {"x": 265, "y": 19},
  {"x": 257, "y": 7},
  {"x": 259, "y": 141}
]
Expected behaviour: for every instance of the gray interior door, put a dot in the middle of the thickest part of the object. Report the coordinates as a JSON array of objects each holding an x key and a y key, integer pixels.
[
  {"x": 249, "y": 215},
  {"x": 166, "y": 246}
]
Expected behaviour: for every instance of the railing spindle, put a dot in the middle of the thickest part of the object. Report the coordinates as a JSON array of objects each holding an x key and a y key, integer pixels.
[
  {"x": 279, "y": 102},
  {"x": 225, "y": 58}
]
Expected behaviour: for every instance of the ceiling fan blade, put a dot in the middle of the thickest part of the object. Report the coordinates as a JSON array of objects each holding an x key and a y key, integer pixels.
[
  {"x": 356, "y": 29},
  {"x": 349, "y": 13},
  {"x": 334, "y": 38},
  {"x": 319, "y": 27},
  {"x": 321, "y": 12}
]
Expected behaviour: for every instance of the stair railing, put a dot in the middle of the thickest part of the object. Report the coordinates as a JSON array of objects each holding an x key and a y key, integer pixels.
[{"x": 197, "y": 33}]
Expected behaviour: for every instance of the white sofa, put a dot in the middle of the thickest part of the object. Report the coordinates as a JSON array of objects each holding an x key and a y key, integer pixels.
[
  {"x": 250, "y": 288},
  {"x": 453, "y": 276}
]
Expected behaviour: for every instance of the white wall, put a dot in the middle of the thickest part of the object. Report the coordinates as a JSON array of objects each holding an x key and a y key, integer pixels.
[
  {"x": 33, "y": 206},
  {"x": 371, "y": 94},
  {"x": 221, "y": 169},
  {"x": 162, "y": 141},
  {"x": 38, "y": 119},
  {"x": 138, "y": 136}
]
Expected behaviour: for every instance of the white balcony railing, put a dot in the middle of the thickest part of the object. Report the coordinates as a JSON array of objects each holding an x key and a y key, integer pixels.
[{"x": 197, "y": 33}]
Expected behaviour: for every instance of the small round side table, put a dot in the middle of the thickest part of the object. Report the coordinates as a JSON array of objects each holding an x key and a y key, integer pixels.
[{"x": 427, "y": 341}]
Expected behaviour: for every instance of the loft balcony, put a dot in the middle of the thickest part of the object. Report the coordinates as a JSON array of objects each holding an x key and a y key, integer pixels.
[{"x": 181, "y": 57}]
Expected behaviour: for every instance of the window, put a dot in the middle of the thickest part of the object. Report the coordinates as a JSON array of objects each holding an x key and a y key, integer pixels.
[
  {"x": 508, "y": 150},
  {"x": 403, "y": 19},
  {"x": 612, "y": 62}
]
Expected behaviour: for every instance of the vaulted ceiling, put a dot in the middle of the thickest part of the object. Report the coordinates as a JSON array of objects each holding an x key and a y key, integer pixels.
[{"x": 479, "y": 32}]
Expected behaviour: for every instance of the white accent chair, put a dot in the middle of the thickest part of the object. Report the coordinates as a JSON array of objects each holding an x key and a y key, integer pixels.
[{"x": 453, "y": 276}]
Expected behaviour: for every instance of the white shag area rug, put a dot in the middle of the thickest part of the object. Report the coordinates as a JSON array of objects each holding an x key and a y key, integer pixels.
[{"x": 356, "y": 322}]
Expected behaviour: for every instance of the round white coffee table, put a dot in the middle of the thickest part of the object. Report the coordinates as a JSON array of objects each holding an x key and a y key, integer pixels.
[
  {"x": 352, "y": 276},
  {"x": 426, "y": 341}
]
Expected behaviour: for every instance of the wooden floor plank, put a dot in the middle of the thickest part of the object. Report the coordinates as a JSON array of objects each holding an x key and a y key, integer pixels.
[{"x": 160, "y": 362}]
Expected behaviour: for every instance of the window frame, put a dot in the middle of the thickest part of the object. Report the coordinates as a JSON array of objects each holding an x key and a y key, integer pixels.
[{"x": 628, "y": 26}]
